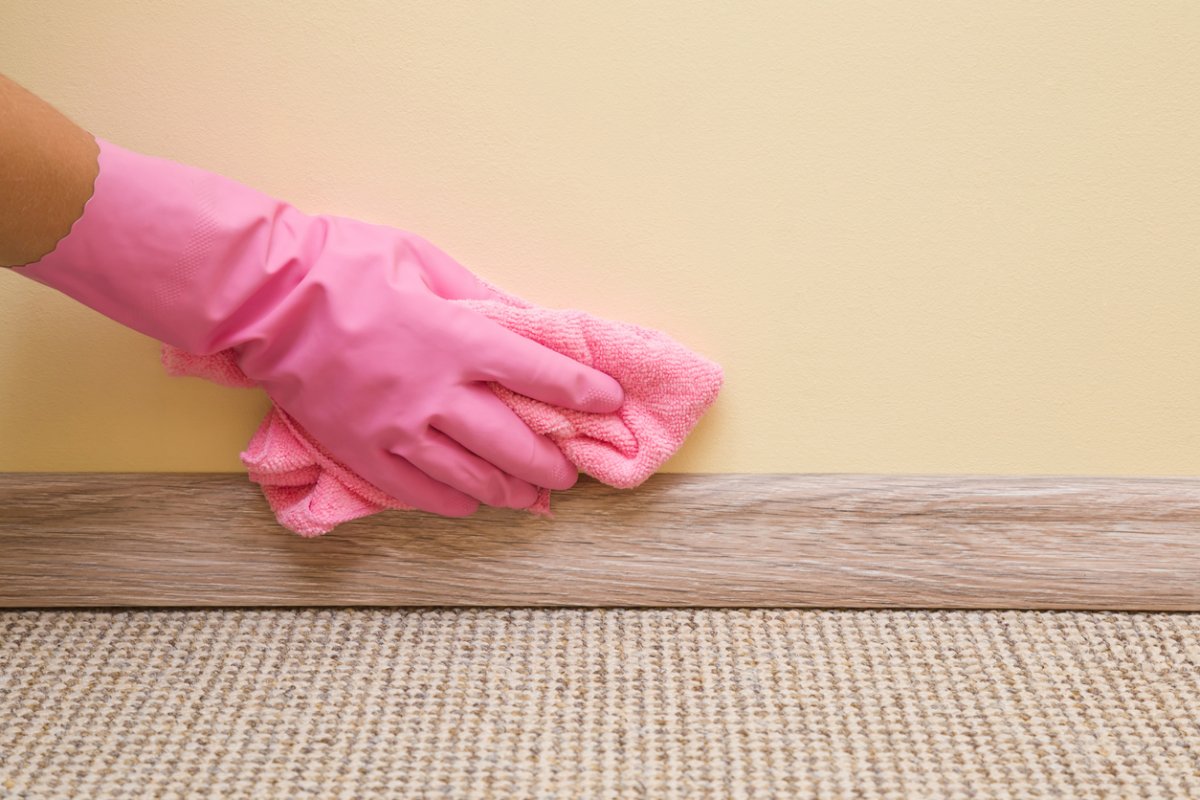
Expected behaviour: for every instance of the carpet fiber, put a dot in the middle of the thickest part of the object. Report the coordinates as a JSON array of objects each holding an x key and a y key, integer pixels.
[{"x": 604, "y": 703}]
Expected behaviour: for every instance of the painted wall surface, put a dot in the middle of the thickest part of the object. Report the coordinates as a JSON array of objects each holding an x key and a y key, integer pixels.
[{"x": 937, "y": 237}]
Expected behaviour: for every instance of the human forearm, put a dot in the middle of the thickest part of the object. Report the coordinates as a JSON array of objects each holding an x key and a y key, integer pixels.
[{"x": 48, "y": 166}]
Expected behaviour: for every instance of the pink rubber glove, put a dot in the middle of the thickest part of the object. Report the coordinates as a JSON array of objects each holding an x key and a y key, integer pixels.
[{"x": 346, "y": 325}]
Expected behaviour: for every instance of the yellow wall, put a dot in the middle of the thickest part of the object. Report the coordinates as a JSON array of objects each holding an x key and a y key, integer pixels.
[{"x": 934, "y": 237}]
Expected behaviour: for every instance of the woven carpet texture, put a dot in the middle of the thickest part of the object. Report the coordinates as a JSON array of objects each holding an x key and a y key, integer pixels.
[{"x": 598, "y": 703}]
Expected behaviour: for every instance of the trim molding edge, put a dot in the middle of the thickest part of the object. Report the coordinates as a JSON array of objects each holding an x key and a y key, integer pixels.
[{"x": 783, "y": 540}]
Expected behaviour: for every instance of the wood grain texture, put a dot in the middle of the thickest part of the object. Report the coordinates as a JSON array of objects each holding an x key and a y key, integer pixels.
[{"x": 203, "y": 539}]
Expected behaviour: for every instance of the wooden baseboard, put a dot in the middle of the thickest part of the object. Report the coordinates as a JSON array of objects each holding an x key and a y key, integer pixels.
[{"x": 203, "y": 539}]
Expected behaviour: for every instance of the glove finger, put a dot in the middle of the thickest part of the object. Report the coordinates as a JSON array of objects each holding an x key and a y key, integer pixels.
[
  {"x": 529, "y": 368},
  {"x": 395, "y": 475},
  {"x": 447, "y": 461},
  {"x": 483, "y": 424}
]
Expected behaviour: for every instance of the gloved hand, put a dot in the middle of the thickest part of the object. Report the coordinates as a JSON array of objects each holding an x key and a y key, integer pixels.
[{"x": 346, "y": 325}]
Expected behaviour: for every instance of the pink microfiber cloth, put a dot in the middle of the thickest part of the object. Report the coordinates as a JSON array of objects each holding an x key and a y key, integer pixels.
[{"x": 667, "y": 389}]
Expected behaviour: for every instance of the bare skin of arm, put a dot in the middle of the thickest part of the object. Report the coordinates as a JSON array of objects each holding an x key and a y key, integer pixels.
[{"x": 48, "y": 167}]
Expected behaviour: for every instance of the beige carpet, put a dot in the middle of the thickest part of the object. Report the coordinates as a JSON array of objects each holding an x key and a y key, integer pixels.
[{"x": 583, "y": 703}]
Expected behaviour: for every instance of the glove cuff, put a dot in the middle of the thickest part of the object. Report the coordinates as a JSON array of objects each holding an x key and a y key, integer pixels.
[{"x": 183, "y": 255}]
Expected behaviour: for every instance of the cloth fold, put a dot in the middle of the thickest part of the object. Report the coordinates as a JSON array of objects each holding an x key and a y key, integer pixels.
[{"x": 667, "y": 389}]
